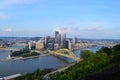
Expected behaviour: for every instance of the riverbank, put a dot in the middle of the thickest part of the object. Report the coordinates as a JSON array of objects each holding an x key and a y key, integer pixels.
[{"x": 22, "y": 58}]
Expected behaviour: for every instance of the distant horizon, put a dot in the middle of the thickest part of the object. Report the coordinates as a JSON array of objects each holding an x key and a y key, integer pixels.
[{"x": 53, "y": 36}]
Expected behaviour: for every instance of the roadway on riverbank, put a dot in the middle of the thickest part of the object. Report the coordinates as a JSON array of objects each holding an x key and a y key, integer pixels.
[{"x": 46, "y": 77}]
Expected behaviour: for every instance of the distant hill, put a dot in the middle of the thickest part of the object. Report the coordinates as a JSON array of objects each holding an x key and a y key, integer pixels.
[
  {"x": 35, "y": 38},
  {"x": 24, "y": 38}
]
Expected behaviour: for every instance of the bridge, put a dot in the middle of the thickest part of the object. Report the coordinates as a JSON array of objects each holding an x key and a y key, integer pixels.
[
  {"x": 66, "y": 53},
  {"x": 14, "y": 49},
  {"x": 22, "y": 44}
]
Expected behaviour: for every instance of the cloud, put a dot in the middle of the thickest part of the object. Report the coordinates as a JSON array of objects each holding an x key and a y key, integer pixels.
[
  {"x": 4, "y": 16},
  {"x": 93, "y": 29},
  {"x": 7, "y": 30},
  {"x": 60, "y": 29},
  {"x": 68, "y": 29},
  {"x": 83, "y": 30},
  {"x": 75, "y": 29}
]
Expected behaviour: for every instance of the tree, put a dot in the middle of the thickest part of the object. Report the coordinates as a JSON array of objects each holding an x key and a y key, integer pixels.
[
  {"x": 85, "y": 54},
  {"x": 116, "y": 50},
  {"x": 106, "y": 50},
  {"x": 116, "y": 53}
]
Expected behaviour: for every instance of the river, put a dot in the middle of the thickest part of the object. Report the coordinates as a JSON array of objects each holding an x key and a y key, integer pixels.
[{"x": 29, "y": 65}]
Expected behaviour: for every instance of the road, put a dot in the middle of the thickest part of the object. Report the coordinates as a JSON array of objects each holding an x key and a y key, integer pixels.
[{"x": 46, "y": 77}]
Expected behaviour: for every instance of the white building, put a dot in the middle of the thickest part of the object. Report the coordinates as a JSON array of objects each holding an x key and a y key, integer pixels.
[{"x": 31, "y": 44}]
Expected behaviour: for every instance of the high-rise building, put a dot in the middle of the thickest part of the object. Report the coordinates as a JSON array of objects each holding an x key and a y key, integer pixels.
[
  {"x": 69, "y": 45},
  {"x": 46, "y": 41},
  {"x": 63, "y": 39},
  {"x": 50, "y": 44},
  {"x": 57, "y": 39},
  {"x": 73, "y": 40},
  {"x": 56, "y": 34}
]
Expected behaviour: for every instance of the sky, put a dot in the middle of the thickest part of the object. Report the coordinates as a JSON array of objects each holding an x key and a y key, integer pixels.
[{"x": 95, "y": 19}]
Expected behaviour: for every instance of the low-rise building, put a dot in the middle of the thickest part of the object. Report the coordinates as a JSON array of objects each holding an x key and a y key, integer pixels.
[{"x": 39, "y": 45}]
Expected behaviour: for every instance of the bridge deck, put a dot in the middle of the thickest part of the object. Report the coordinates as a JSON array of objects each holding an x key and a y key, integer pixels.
[
  {"x": 70, "y": 55},
  {"x": 10, "y": 49}
]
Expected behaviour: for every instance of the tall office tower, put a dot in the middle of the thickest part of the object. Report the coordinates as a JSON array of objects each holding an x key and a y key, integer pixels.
[
  {"x": 73, "y": 40},
  {"x": 56, "y": 33},
  {"x": 59, "y": 40},
  {"x": 56, "y": 36},
  {"x": 63, "y": 39},
  {"x": 46, "y": 41},
  {"x": 69, "y": 45},
  {"x": 50, "y": 44}
]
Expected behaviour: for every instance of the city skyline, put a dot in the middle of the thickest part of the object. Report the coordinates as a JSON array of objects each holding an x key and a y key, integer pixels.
[{"x": 82, "y": 18}]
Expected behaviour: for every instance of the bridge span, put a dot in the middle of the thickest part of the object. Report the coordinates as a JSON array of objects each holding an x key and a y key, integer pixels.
[
  {"x": 22, "y": 44},
  {"x": 14, "y": 49},
  {"x": 66, "y": 53}
]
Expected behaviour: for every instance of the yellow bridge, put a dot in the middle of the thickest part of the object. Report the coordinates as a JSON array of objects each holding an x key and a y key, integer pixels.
[
  {"x": 14, "y": 49},
  {"x": 66, "y": 53}
]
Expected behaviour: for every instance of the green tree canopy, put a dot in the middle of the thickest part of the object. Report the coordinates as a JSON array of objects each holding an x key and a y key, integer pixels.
[
  {"x": 105, "y": 50},
  {"x": 116, "y": 50},
  {"x": 85, "y": 54}
]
